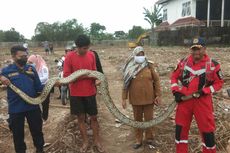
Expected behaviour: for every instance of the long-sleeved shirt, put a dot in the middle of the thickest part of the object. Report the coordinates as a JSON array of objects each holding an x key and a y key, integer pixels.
[
  {"x": 26, "y": 80},
  {"x": 73, "y": 62},
  {"x": 143, "y": 88},
  {"x": 205, "y": 75}
]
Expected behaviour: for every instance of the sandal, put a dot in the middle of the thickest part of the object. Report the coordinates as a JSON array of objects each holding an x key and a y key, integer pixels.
[
  {"x": 151, "y": 143},
  {"x": 84, "y": 148},
  {"x": 137, "y": 145},
  {"x": 99, "y": 148}
]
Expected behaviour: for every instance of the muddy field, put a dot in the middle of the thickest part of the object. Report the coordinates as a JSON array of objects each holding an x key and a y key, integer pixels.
[{"x": 61, "y": 131}]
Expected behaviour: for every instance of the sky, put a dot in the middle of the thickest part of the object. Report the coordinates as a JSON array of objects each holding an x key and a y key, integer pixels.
[{"x": 115, "y": 15}]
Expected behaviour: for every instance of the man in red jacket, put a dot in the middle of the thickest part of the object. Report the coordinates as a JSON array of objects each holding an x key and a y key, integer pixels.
[
  {"x": 83, "y": 91},
  {"x": 197, "y": 77}
]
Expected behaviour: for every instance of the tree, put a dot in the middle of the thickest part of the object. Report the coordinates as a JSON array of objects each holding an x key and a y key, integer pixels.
[
  {"x": 120, "y": 34},
  {"x": 11, "y": 36},
  {"x": 70, "y": 30},
  {"x": 97, "y": 31},
  {"x": 153, "y": 17},
  {"x": 42, "y": 32},
  {"x": 107, "y": 36},
  {"x": 1, "y": 36},
  {"x": 135, "y": 32},
  {"x": 57, "y": 31}
]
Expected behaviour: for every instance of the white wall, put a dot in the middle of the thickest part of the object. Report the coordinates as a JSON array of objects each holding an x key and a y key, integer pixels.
[
  {"x": 174, "y": 9},
  {"x": 193, "y": 8}
]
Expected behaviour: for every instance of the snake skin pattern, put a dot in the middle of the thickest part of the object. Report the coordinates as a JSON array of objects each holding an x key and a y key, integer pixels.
[{"x": 105, "y": 94}]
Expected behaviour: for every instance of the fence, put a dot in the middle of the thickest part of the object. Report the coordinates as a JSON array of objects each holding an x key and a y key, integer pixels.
[
  {"x": 62, "y": 44},
  {"x": 183, "y": 36}
]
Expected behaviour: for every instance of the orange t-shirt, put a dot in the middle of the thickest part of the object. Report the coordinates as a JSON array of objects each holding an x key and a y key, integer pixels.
[{"x": 74, "y": 62}]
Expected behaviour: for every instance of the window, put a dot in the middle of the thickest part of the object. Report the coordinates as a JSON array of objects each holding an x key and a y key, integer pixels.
[
  {"x": 186, "y": 9},
  {"x": 165, "y": 16}
]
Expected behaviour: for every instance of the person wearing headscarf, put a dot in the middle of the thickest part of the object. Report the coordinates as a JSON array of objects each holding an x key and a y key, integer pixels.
[
  {"x": 43, "y": 72},
  {"x": 142, "y": 88}
]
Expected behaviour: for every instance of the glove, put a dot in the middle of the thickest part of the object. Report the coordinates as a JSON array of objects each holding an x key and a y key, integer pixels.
[
  {"x": 201, "y": 92},
  {"x": 178, "y": 96},
  {"x": 198, "y": 94}
]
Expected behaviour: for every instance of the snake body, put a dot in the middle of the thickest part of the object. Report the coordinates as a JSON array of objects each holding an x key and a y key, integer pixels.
[{"x": 105, "y": 94}]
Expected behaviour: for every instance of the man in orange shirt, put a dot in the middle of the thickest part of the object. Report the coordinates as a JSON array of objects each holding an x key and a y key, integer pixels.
[{"x": 83, "y": 91}]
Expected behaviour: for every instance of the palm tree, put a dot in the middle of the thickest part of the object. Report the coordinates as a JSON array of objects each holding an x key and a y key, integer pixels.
[{"x": 153, "y": 17}]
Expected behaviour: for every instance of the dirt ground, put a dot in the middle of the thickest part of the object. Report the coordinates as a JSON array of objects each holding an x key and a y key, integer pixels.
[{"x": 61, "y": 130}]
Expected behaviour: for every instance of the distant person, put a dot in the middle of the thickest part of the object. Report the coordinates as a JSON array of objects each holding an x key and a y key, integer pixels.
[
  {"x": 60, "y": 64},
  {"x": 142, "y": 88},
  {"x": 51, "y": 48},
  {"x": 43, "y": 72},
  {"x": 83, "y": 100},
  {"x": 197, "y": 76},
  {"x": 24, "y": 77},
  {"x": 46, "y": 47}
]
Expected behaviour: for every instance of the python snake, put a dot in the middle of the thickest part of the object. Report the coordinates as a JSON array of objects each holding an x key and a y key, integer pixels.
[{"x": 105, "y": 94}]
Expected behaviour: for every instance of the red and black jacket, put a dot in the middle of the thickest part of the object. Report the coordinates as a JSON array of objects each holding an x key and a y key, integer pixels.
[{"x": 189, "y": 77}]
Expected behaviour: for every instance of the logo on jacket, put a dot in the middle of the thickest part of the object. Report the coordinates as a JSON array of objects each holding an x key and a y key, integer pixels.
[{"x": 30, "y": 71}]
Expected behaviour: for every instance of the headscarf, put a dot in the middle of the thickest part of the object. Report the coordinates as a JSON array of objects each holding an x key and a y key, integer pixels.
[
  {"x": 131, "y": 68},
  {"x": 38, "y": 61}
]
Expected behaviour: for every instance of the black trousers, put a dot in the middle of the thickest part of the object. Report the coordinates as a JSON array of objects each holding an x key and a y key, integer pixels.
[
  {"x": 45, "y": 108},
  {"x": 16, "y": 125}
]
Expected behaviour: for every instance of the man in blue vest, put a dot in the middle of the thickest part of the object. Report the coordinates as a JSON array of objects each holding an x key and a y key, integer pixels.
[{"x": 24, "y": 77}]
